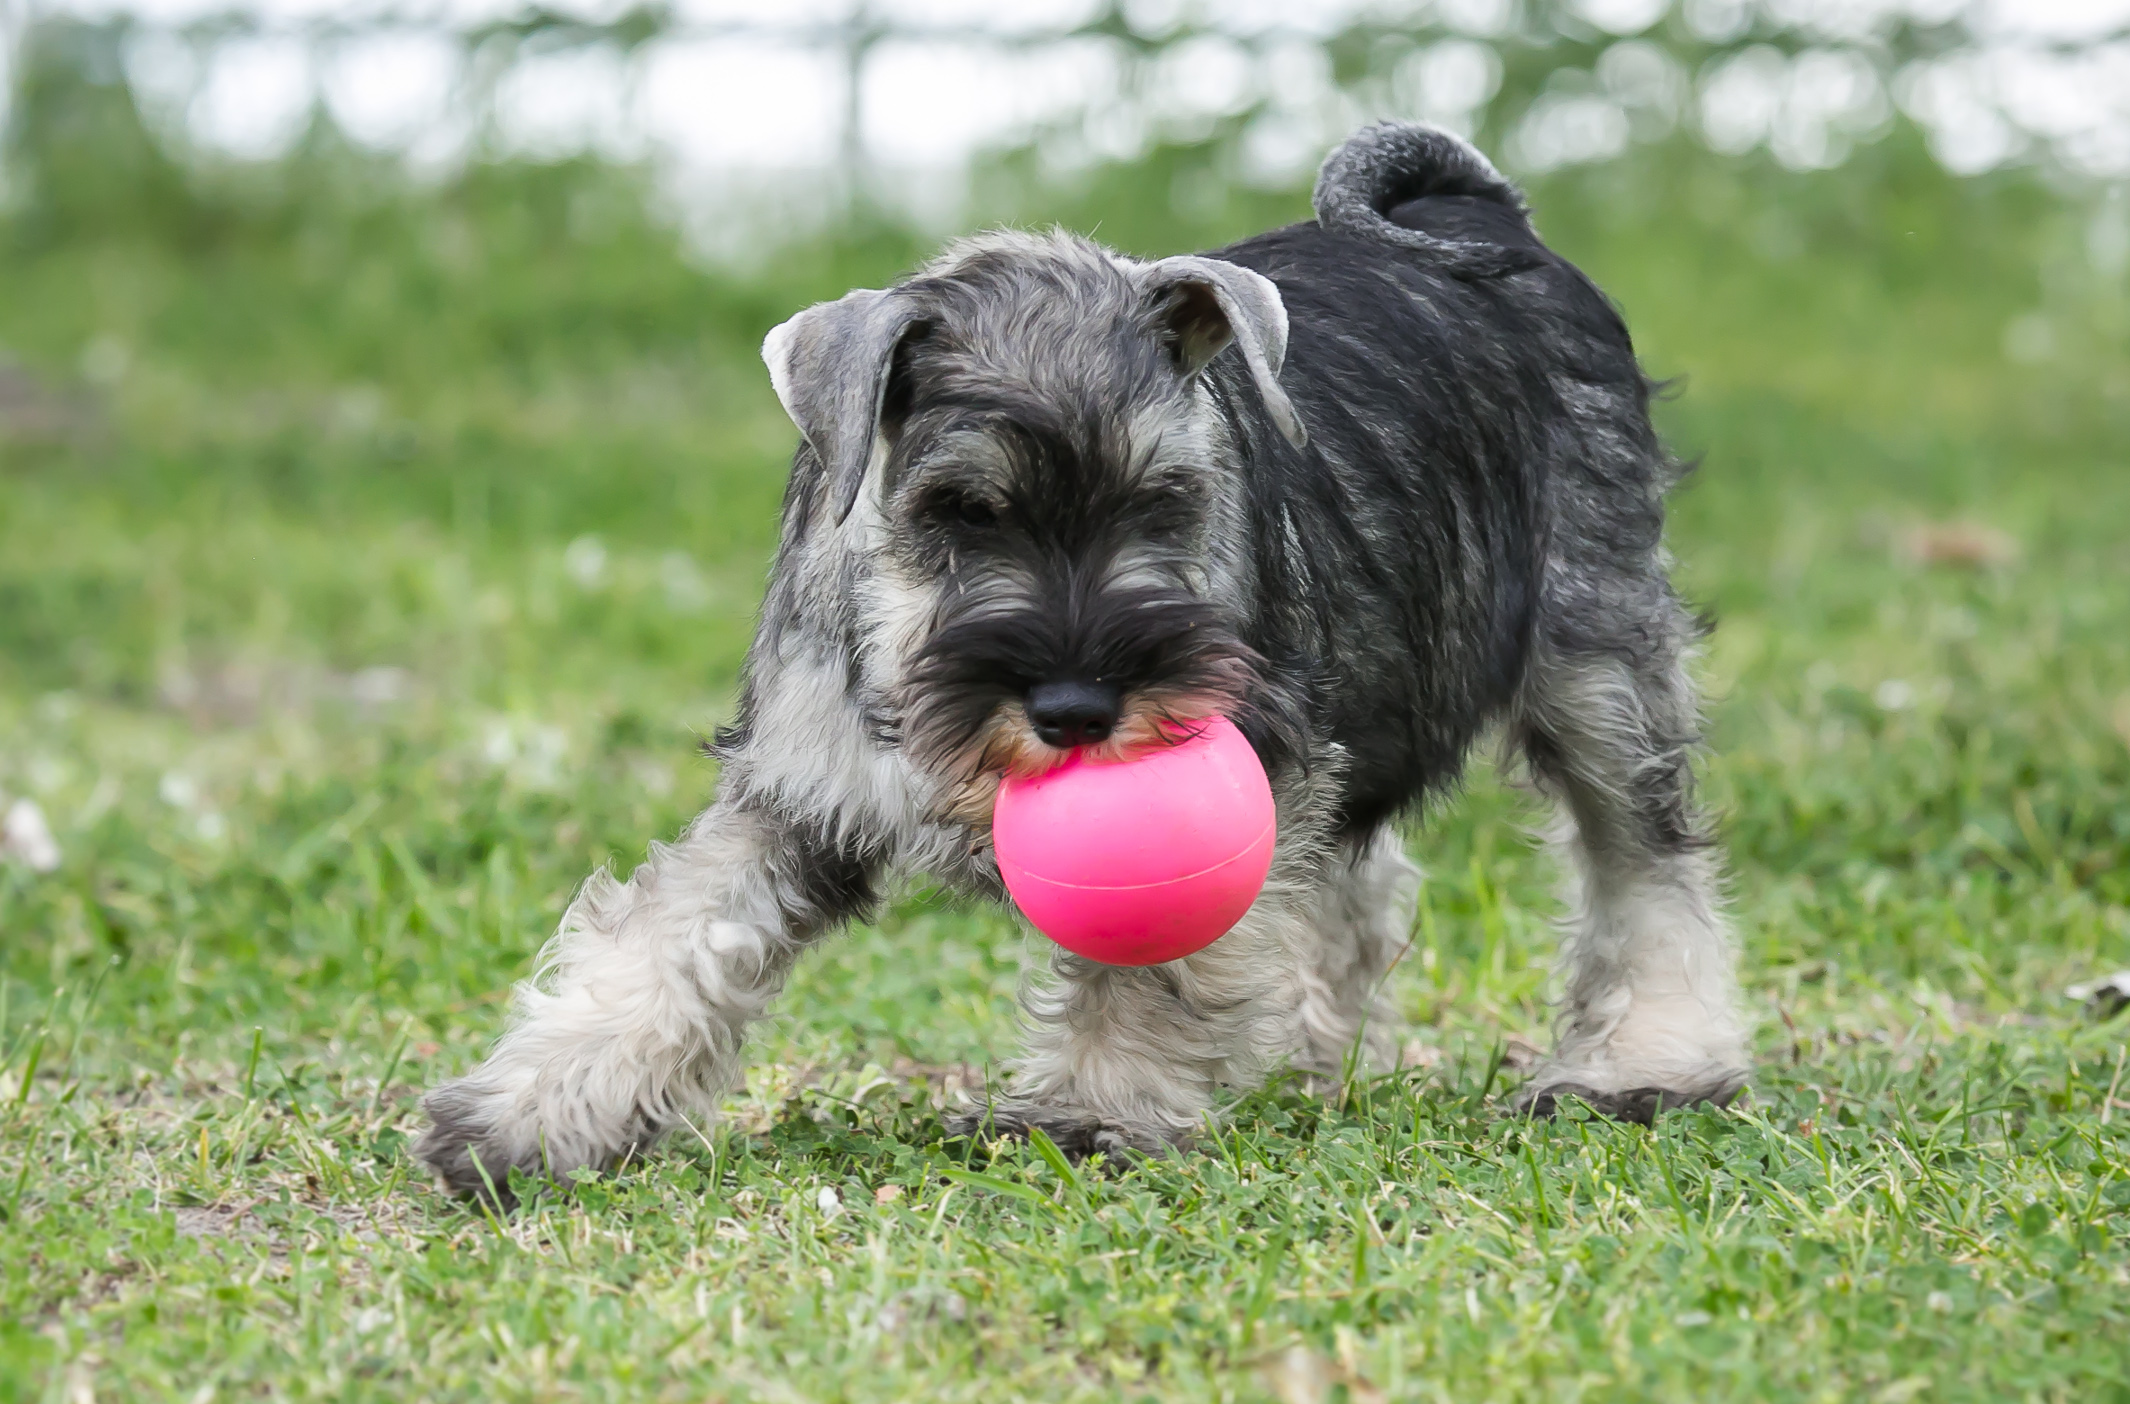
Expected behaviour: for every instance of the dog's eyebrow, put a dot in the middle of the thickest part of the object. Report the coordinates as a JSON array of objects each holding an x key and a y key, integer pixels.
[
  {"x": 995, "y": 396},
  {"x": 968, "y": 449}
]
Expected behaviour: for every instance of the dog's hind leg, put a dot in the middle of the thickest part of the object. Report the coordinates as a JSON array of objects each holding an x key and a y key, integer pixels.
[
  {"x": 1608, "y": 724},
  {"x": 1364, "y": 922},
  {"x": 638, "y": 1016}
]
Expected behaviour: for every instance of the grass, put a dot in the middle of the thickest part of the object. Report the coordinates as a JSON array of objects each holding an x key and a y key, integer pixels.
[{"x": 360, "y": 591}]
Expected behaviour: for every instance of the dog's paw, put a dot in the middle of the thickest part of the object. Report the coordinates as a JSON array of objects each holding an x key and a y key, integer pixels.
[
  {"x": 1640, "y": 1105},
  {"x": 1078, "y": 1134},
  {"x": 469, "y": 1148}
]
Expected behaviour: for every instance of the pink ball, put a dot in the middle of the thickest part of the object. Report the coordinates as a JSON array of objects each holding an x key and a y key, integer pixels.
[{"x": 1139, "y": 861}]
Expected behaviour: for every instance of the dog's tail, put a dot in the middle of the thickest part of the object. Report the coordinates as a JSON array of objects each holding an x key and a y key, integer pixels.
[{"x": 1381, "y": 167}]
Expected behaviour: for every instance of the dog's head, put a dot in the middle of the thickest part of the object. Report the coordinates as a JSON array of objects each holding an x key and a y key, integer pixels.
[{"x": 1018, "y": 443}]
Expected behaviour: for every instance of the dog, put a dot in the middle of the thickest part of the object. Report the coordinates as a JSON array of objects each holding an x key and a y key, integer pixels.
[{"x": 1372, "y": 486}]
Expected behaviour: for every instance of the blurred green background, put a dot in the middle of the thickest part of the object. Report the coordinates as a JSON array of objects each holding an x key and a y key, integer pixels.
[
  {"x": 377, "y": 535},
  {"x": 323, "y": 471}
]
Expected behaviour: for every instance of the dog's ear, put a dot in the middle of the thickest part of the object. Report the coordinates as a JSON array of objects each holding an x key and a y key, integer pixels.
[
  {"x": 1207, "y": 303},
  {"x": 829, "y": 365}
]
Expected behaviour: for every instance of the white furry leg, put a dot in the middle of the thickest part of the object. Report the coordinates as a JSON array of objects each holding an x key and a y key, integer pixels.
[
  {"x": 1364, "y": 921},
  {"x": 640, "y": 1009},
  {"x": 1120, "y": 1056},
  {"x": 1649, "y": 1016}
]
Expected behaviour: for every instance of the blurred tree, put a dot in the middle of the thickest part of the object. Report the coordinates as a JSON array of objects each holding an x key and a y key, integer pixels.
[
  {"x": 80, "y": 159},
  {"x": 523, "y": 265}
]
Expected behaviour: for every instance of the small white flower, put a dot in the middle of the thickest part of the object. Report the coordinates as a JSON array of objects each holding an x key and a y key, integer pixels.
[
  {"x": 585, "y": 560},
  {"x": 1894, "y": 695},
  {"x": 531, "y": 752},
  {"x": 26, "y": 839},
  {"x": 828, "y": 1202},
  {"x": 179, "y": 790},
  {"x": 498, "y": 745}
]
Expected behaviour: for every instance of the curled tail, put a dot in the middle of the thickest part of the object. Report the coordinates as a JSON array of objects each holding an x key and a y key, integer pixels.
[{"x": 1381, "y": 167}]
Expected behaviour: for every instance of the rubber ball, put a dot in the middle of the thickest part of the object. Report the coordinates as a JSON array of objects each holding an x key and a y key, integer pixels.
[{"x": 1141, "y": 860}]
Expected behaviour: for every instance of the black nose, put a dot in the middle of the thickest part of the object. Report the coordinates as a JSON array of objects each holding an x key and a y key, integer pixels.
[{"x": 1067, "y": 714}]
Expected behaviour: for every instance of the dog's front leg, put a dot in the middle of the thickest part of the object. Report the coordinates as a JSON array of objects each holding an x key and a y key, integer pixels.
[
  {"x": 1123, "y": 1057},
  {"x": 642, "y": 1002}
]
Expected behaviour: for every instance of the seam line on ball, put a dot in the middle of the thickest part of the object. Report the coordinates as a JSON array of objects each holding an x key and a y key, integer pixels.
[{"x": 1237, "y": 856}]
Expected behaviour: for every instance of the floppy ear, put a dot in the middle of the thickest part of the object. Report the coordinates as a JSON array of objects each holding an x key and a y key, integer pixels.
[
  {"x": 829, "y": 366},
  {"x": 1209, "y": 303}
]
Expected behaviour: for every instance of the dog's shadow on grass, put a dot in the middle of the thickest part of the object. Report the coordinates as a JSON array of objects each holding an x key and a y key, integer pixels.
[{"x": 907, "y": 1144}]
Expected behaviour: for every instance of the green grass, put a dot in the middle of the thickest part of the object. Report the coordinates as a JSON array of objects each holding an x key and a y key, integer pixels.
[{"x": 295, "y": 886}]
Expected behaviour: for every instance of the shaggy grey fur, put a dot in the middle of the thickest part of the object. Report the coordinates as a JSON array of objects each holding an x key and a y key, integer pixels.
[{"x": 1370, "y": 485}]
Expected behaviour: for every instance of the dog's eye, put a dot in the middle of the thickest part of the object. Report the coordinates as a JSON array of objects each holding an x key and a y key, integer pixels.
[{"x": 952, "y": 507}]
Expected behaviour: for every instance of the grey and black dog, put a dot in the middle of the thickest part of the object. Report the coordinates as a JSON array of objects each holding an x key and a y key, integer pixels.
[{"x": 1371, "y": 485}]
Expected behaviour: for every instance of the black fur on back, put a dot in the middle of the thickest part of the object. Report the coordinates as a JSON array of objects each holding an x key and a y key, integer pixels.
[{"x": 1402, "y": 552}]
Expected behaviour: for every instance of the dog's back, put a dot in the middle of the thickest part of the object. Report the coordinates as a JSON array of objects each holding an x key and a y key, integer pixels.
[{"x": 1478, "y": 424}]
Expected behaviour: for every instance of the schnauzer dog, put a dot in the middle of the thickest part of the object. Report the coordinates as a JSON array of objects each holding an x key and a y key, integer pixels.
[{"x": 1368, "y": 485}]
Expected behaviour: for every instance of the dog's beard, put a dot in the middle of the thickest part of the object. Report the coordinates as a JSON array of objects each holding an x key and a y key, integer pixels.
[{"x": 1173, "y": 657}]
